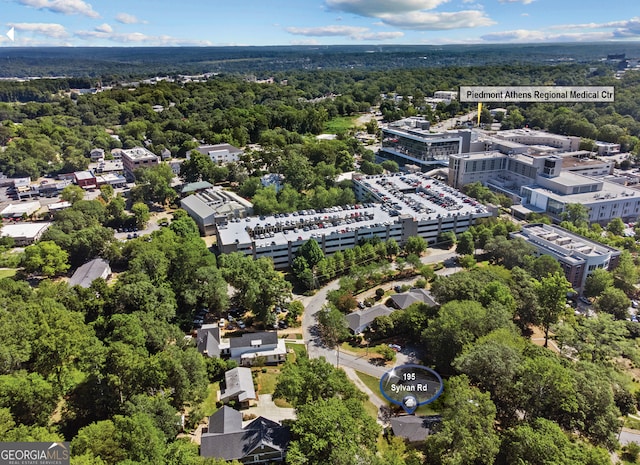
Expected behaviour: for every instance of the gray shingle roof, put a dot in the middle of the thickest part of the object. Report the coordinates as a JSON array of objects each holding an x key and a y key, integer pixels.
[
  {"x": 90, "y": 271},
  {"x": 267, "y": 338},
  {"x": 236, "y": 444},
  {"x": 413, "y": 428},
  {"x": 357, "y": 319},
  {"x": 208, "y": 340},
  {"x": 238, "y": 384}
]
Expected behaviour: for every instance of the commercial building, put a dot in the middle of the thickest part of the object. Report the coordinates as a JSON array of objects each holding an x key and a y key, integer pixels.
[
  {"x": 137, "y": 158},
  {"x": 548, "y": 183},
  {"x": 215, "y": 206},
  {"x": 221, "y": 154},
  {"x": 393, "y": 207},
  {"x": 85, "y": 179},
  {"x": 532, "y": 137},
  {"x": 410, "y": 142},
  {"x": 19, "y": 210},
  {"x": 577, "y": 255},
  {"x": 24, "y": 233}
]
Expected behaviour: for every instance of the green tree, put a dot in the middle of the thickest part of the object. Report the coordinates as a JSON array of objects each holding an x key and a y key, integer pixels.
[
  {"x": 616, "y": 227},
  {"x": 332, "y": 432},
  {"x": 543, "y": 266},
  {"x": 45, "y": 257},
  {"x": 597, "y": 281},
  {"x": 625, "y": 274},
  {"x": 332, "y": 325},
  {"x": 467, "y": 433},
  {"x": 615, "y": 302},
  {"x": 29, "y": 397},
  {"x": 415, "y": 245},
  {"x": 552, "y": 298},
  {"x": 542, "y": 442},
  {"x": 308, "y": 380},
  {"x": 72, "y": 194},
  {"x": 466, "y": 244},
  {"x": 311, "y": 252},
  {"x": 577, "y": 214},
  {"x": 141, "y": 213}
]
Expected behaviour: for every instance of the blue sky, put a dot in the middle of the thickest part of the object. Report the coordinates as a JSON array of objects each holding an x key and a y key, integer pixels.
[{"x": 314, "y": 22}]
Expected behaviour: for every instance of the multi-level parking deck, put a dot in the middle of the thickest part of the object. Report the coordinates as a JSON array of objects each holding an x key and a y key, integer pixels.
[{"x": 392, "y": 207}]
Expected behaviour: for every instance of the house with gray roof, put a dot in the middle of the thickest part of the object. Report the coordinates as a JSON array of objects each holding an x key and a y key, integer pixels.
[
  {"x": 209, "y": 341},
  {"x": 261, "y": 441},
  {"x": 405, "y": 299},
  {"x": 266, "y": 345},
  {"x": 414, "y": 428},
  {"x": 360, "y": 320},
  {"x": 89, "y": 272},
  {"x": 238, "y": 387},
  {"x": 244, "y": 349}
]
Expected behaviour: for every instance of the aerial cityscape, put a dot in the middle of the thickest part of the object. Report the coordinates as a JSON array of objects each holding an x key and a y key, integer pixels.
[{"x": 334, "y": 232}]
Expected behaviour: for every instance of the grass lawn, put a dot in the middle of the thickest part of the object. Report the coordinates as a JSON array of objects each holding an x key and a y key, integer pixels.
[
  {"x": 209, "y": 403},
  {"x": 371, "y": 382},
  {"x": 299, "y": 350},
  {"x": 267, "y": 381},
  {"x": 8, "y": 273},
  {"x": 340, "y": 124}
]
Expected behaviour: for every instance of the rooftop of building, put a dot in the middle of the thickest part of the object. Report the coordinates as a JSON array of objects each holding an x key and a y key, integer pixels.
[
  {"x": 563, "y": 240},
  {"x": 417, "y": 195},
  {"x": 609, "y": 190},
  {"x": 84, "y": 175},
  {"x": 205, "y": 149},
  {"x": 25, "y": 229},
  {"x": 530, "y": 133},
  {"x": 139, "y": 153},
  {"x": 573, "y": 162}
]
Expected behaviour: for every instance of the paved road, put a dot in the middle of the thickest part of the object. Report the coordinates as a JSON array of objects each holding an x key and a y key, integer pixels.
[{"x": 315, "y": 347}]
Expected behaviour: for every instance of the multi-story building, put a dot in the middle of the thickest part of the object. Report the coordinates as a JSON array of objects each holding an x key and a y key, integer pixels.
[
  {"x": 577, "y": 255},
  {"x": 214, "y": 205},
  {"x": 410, "y": 142},
  {"x": 137, "y": 158},
  {"x": 221, "y": 154},
  {"x": 548, "y": 183},
  {"x": 393, "y": 207}
]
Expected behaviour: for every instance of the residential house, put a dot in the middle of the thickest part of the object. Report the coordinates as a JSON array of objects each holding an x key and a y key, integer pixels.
[
  {"x": 261, "y": 441},
  {"x": 243, "y": 349},
  {"x": 405, "y": 299},
  {"x": 414, "y": 428},
  {"x": 238, "y": 387},
  {"x": 360, "y": 320},
  {"x": 89, "y": 272}
]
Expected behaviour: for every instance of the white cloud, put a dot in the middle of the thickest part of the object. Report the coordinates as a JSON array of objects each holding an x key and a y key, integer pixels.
[
  {"x": 67, "y": 7},
  {"x": 56, "y": 31},
  {"x": 326, "y": 31},
  {"x": 139, "y": 38},
  {"x": 524, "y": 2},
  {"x": 126, "y": 18},
  {"x": 525, "y": 36},
  {"x": 305, "y": 42},
  {"x": 104, "y": 28},
  {"x": 423, "y": 21},
  {"x": 375, "y": 8},
  {"x": 628, "y": 28},
  {"x": 353, "y": 32}
]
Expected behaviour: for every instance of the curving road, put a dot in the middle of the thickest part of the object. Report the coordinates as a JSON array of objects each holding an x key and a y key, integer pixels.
[{"x": 315, "y": 346}]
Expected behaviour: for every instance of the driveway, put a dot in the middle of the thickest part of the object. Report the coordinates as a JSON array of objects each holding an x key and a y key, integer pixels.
[{"x": 268, "y": 409}]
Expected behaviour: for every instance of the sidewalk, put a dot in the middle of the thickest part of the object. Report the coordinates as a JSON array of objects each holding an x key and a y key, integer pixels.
[{"x": 374, "y": 398}]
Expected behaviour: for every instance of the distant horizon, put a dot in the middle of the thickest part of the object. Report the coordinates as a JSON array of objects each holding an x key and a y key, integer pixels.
[
  {"x": 120, "y": 23},
  {"x": 320, "y": 46}
]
